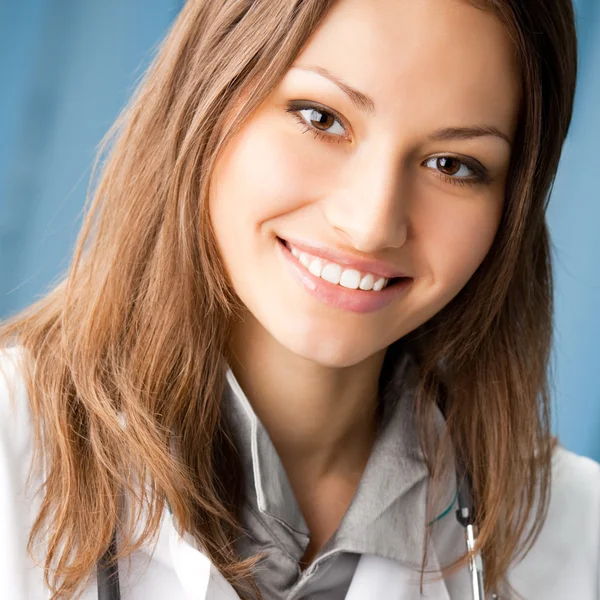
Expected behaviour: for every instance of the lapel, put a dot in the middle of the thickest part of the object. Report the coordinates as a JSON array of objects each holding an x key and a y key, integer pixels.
[
  {"x": 378, "y": 578},
  {"x": 196, "y": 573}
]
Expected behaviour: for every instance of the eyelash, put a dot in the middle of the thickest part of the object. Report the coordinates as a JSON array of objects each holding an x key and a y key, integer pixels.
[{"x": 480, "y": 174}]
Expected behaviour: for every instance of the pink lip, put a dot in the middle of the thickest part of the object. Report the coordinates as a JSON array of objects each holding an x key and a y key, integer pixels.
[
  {"x": 358, "y": 301},
  {"x": 375, "y": 267}
]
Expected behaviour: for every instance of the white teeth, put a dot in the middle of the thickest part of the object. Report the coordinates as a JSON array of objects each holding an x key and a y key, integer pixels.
[
  {"x": 378, "y": 285},
  {"x": 316, "y": 267},
  {"x": 304, "y": 259},
  {"x": 332, "y": 273},
  {"x": 366, "y": 283},
  {"x": 350, "y": 279}
]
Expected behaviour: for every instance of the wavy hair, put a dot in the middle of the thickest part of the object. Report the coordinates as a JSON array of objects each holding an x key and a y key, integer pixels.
[{"x": 137, "y": 328}]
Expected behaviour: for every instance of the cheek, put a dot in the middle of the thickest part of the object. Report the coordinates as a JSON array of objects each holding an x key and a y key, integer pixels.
[
  {"x": 457, "y": 235},
  {"x": 260, "y": 176}
]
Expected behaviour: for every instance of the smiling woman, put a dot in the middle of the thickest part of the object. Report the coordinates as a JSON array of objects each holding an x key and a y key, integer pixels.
[{"x": 309, "y": 315}]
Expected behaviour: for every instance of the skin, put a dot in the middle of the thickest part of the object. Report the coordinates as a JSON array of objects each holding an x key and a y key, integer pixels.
[{"x": 311, "y": 370}]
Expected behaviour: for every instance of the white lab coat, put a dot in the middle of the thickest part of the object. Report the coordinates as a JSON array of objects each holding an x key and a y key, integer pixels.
[{"x": 564, "y": 564}]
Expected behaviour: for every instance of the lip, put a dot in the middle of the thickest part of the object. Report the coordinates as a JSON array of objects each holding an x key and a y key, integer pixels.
[
  {"x": 358, "y": 301},
  {"x": 375, "y": 267}
]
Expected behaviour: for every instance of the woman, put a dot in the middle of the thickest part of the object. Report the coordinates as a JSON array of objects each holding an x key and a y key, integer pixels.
[{"x": 278, "y": 358}]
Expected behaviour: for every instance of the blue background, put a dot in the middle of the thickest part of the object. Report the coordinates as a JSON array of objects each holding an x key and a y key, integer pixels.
[{"x": 66, "y": 69}]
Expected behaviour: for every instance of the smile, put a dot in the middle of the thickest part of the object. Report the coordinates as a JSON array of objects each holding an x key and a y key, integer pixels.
[
  {"x": 340, "y": 286},
  {"x": 337, "y": 274}
]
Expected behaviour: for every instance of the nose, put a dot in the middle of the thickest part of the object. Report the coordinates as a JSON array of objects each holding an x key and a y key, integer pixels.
[{"x": 371, "y": 210}]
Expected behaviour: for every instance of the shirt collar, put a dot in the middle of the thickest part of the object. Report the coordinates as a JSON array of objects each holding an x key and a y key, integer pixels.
[
  {"x": 269, "y": 485},
  {"x": 387, "y": 514}
]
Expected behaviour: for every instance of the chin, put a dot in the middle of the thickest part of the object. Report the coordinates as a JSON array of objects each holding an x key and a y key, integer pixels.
[{"x": 342, "y": 348}]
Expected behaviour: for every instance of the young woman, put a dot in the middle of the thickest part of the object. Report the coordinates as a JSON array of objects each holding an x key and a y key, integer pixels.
[{"x": 303, "y": 346}]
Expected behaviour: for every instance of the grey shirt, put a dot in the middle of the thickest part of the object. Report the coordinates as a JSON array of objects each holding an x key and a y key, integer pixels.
[{"x": 386, "y": 517}]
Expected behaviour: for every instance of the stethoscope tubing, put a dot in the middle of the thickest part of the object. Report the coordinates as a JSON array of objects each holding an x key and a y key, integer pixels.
[{"x": 108, "y": 574}]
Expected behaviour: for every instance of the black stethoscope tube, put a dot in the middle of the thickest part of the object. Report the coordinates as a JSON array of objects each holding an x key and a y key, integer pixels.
[{"x": 108, "y": 574}]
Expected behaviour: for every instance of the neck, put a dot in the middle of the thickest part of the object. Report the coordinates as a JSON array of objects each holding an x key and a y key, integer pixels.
[{"x": 321, "y": 419}]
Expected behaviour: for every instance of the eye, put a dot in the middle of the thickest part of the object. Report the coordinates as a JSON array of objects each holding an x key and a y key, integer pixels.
[
  {"x": 456, "y": 170},
  {"x": 322, "y": 122}
]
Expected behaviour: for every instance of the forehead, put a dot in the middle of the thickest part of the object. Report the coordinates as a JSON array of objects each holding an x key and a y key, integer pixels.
[{"x": 444, "y": 60}]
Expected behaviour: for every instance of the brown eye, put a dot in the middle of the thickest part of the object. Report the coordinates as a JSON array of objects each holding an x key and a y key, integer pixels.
[
  {"x": 448, "y": 165},
  {"x": 325, "y": 121},
  {"x": 454, "y": 169},
  {"x": 321, "y": 122}
]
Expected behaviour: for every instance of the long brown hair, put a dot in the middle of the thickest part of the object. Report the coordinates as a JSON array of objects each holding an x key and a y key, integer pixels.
[{"x": 138, "y": 326}]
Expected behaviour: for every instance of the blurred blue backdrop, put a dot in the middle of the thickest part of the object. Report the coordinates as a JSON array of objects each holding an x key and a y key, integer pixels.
[{"x": 66, "y": 69}]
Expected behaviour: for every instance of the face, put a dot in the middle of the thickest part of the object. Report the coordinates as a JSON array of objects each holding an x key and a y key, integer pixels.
[{"x": 402, "y": 174}]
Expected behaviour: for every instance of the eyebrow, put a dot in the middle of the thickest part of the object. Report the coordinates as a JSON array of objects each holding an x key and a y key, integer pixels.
[
  {"x": 358, "y": 98},
  {"x": 365, "y": 103},
  {"x": 465, "y": 133}
]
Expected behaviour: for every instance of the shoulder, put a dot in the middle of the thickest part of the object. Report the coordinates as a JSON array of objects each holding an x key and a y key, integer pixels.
[
  {"x": 16, "y": 422},
  {"x": 564, "y": 562},
  {"x": 19, "y": 476},
  {"x": 15, "y": 413},
  {"x": 575, "y": 478},
  {"x": 575, "y": 501},
  {"x": 19, "y": 496}
]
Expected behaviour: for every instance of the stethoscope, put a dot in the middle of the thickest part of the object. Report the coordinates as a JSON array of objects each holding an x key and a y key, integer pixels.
[
  {"x": 464, "y": 515},
  {"x": 108, "y": 574}
]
